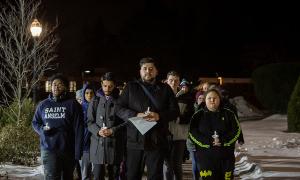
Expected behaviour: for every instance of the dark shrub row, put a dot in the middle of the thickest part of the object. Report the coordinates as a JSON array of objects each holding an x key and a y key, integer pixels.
[
  {"x": 274, "y": 83},
  {"x": 294, "y": 109},
  {"x": 19, "y": 144}
]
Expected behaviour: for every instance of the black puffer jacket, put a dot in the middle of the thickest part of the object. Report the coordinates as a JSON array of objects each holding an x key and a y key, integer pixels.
[{"x": 134, "y": 100}]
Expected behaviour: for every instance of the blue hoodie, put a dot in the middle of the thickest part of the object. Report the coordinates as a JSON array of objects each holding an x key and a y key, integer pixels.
[
  {"x": 85, "y": 105},
  {"x": 64, "y": 117}
]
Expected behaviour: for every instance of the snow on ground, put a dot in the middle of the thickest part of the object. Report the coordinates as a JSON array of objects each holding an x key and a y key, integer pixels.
[
  {"x": 269, "y": 152},
  {"x": 268, "y": 137},
  {"x": 20, "y": 172},
  {"x": 245, "y": 110}
]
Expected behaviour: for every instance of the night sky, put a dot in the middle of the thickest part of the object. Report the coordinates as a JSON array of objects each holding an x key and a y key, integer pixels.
[{"x": 196, "y": 38}]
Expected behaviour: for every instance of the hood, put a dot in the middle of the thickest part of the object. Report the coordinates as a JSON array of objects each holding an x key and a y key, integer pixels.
[{"x": 86, "y": 86}]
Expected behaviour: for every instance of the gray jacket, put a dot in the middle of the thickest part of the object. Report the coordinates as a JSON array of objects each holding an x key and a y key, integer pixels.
[
  {"x": 108, "y": 150},
  {"x": 180, "y": 127}
]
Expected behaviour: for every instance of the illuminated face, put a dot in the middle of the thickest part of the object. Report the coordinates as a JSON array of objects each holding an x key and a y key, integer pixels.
[
  {"x": 148, "y": 72},
  {"x": 200, "y": 99},
  {"x": 205, "y": 87},
  {"x": 79, "y": 100},
  {"x": 88, "y": 95},
  {"x": 107, "y": 87},
  {"x": 173, "y": 82},
  {"x": 57, "y": 87},
  {"x": 212, "y": 101},
  {"x": 185, "y": 89}
]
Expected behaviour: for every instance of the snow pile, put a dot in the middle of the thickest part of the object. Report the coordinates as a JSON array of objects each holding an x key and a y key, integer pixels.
[
  {"x": 288, "y": 143},
  {"x": 276, "y": 117},
  {"x": 245, "y": 109},
  {"x": 21, "y": 171},
  {"x": 3, "y": 173},
  {"x": 255, "y": 173},
  {"x": 244, "y": 168}
]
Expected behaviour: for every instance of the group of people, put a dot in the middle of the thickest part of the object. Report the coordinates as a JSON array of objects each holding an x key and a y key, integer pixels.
[{"x": 97, "y": 131}]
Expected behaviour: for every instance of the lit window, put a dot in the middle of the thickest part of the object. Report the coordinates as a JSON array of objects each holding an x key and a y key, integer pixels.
[
  {"x": 72, "y": 86},
  {"x": 47, "y": 86}
]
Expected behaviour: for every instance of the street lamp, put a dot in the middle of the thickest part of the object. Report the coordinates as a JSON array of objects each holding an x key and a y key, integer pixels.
[{"x": 36, "y": 30}]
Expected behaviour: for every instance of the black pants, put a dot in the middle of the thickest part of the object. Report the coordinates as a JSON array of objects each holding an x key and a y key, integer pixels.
[
  {"x": 99, "y": 171},
  {"x": 137, "y": 159},
  {"x": 57, "y": 166},
  {"x": 214, "y": 168},
  {"x": 173, "y": 161}
]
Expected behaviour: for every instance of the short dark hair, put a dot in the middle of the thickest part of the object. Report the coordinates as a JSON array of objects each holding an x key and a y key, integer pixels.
[
  {"x": 173, "y": 73},
  {"x": 147, "y": 60},
  {"x": 109, "y": 76},
  {"x": 61, "y": 77}
]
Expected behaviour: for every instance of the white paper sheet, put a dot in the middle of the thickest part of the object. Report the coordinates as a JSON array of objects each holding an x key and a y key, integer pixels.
[{"x": 141, "y": 124}]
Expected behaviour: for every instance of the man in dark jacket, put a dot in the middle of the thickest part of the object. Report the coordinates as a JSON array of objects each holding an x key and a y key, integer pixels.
[
  {"x": 59, "y": 122},
  {"x": 162, "y": 107}
]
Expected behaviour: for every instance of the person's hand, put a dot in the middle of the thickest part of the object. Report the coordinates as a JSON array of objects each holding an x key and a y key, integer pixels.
[
  {"x": 100, "y": 133},
  {"x": 107, "y": 132},
  {"x": 104, "y": 132},
  {"x": 216, "y": 143},
  {"x": 152, "y": 116},
  {"x": 141, "y": 115}
]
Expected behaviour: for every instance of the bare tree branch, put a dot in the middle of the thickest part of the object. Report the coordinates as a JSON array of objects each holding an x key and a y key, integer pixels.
[{"x": 24, "y": 60}]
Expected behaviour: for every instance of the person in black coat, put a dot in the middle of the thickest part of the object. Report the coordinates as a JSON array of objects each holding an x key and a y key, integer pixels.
[
  {"x": 149, "y": 148},
  {"x": 214, "y": 130}
]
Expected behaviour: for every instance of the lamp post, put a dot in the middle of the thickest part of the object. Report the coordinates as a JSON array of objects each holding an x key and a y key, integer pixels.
[{"x": 36, "y": 30}]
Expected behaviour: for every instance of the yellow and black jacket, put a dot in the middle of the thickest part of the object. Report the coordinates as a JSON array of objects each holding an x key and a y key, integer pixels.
[{"x": 202, "y": 127}]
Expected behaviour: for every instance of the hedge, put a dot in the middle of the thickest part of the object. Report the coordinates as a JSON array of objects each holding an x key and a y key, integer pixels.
[
  {"x": 274, "y": 83},
  {"x": 294, "y": 109}
]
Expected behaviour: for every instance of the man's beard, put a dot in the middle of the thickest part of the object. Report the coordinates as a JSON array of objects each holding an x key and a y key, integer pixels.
[
  {"x": 107, "y": 93},
  {"x": 151, "y": 80}
]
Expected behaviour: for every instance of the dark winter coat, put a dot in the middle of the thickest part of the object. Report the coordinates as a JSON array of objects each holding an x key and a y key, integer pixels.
[
  {"x": 134, "y": 100},
  {"x": 205, "y": 122},
  {"x": 105, "y": 150}
]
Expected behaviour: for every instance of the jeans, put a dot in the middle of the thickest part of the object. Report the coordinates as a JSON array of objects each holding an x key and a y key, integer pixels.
[
  {"x": 85, "y": 166},
  {"x": 195, "y": 166},
  {"x": 57, "y": 165},
  {"x": 173, "y": 162}
]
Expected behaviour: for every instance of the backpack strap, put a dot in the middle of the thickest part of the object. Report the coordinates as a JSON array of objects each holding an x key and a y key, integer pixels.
[{"x": 149, "y": 95}]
